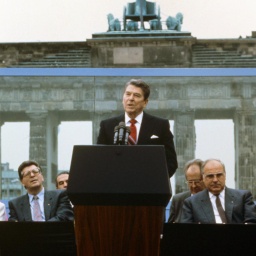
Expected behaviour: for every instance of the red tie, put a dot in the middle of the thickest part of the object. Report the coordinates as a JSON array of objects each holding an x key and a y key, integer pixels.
[{"x": 133, "y": 133}]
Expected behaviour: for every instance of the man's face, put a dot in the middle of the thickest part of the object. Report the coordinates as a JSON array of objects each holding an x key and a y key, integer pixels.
[
  {"x": 62, "y": 181},
  {"x": 32, "y": 178},
  {"x": 194, "y": 179},
  {"x": 214, "y": 177},
  {"x": 133, "y": 101}
]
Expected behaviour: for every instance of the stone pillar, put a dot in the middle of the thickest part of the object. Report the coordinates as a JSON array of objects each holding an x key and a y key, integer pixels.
[
  {"x": 52, "y": 149},
  {"x": 245, "y": 144},
  {"x": 37, "y": 142},
  {"x": 184, "y": 134}
]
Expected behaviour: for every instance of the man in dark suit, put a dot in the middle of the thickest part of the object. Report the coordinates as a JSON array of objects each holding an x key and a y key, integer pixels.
[
  {"x": 217, "y": 203},
  {"x": 151, "y": 130},
  {"x": 194, "y": 179},
  {"x": 61, "y": 180},
  {"x": 39, "y": 204}
]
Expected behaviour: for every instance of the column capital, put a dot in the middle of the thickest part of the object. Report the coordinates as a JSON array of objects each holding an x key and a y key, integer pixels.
[{"x": 37, "y": 114}]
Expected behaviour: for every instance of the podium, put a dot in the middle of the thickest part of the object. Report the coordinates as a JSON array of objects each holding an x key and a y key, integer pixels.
[{"x": 119, "y": 195}]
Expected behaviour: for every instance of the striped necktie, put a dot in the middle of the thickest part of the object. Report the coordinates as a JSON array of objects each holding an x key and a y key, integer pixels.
[
  {"x": 36, "y": 209},
  {"x": 220, "y": 210}
]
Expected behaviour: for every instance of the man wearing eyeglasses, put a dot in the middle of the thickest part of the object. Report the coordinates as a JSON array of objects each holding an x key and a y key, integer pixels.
[
  {"x": 218, "y": 203},
  {"x": 195, "y": 183},
  {"x": 39, "y": 204}
]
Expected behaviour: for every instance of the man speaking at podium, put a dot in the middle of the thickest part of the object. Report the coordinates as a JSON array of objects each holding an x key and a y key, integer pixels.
[{"x": 137, "y": 127}]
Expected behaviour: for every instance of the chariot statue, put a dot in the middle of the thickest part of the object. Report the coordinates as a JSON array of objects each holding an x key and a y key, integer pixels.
[{"x": 140, "y": 11}]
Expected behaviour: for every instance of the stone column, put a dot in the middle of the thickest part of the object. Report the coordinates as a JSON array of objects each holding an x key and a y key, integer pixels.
[
  {"x": 184, "y": 134},
  {"x": 96, "y": 127},
  {"x": 37, "y": 142},
  {"x": 52, "y": 149},
  {"x": 245, "y": 144}
]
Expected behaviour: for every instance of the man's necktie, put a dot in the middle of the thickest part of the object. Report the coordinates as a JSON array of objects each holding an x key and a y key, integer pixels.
[
  {"x": 221, "y": 210},
  {"x": 133, "y": 135},
  {"x": 37, "y": 211}
]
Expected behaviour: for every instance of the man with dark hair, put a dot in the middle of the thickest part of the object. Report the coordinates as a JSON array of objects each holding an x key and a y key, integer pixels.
[
  {"x": 149, "y": 130},
  {"x": 218, "y": 203},
  {"x": 62, "y": 180},
  {"x": 194, "y": 179},
  {"x": 39, "y": 204}
]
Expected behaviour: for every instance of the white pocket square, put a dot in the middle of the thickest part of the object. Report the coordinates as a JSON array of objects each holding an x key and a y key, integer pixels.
[{"x": 154, "y": 137}]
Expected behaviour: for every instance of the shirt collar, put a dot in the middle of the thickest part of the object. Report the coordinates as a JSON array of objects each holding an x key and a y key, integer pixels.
[
  {"x": 222, "y": 194},
  {"x": 40, "y": 195},
  {"x": 138, "y": 118}
]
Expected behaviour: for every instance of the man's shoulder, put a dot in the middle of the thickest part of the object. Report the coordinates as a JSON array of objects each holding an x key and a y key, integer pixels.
[
  {"x": 181, "y": 195},
  {"x": 19, "y": 199},
  {"x": 198, "y": 196},
  {"x": 55, "y": 192},
  {"x": 237, "y": 192}
]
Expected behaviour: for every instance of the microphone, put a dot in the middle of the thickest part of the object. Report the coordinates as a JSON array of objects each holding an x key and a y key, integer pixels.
[
  {"x": 116, "y": 134},
  {"x": 121, "y": 132},
  {"x": 127, "y": 133}
]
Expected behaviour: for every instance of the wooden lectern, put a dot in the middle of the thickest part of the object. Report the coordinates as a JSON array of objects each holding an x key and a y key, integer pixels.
[{"x": 119, "y": 195}]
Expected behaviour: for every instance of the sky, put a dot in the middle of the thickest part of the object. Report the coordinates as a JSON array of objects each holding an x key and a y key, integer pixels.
[{"x": 77, "y": 20}]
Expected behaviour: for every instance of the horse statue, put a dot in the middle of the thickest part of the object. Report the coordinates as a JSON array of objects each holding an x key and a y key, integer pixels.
[
  {"x": 113, "y": 24},
  {"x": 175, "y": 23},
  {"x": 132, "y": 25},
  {"x": 155, "y": 24}
]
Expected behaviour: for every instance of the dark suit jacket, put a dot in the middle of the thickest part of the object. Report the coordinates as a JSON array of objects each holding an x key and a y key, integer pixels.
[
  {"x": 239, "y": 207},
  {"x": 176, "y": 206},
  {"x": 57, "y": 207},
  {"x": 150, "y": 125}
]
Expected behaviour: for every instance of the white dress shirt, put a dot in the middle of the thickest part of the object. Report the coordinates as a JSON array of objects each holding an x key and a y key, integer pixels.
[
  {"x": 41, "y": 203},
  {"x": 213, "y": 201}
]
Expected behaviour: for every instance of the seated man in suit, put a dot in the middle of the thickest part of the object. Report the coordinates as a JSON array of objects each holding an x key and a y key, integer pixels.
[
  {"x": 194, "y": 179},
  {"x": 39, "y": 204},
  {"x": 149, "y": 130},
  {"x": 62, "y": 180},
  {"x": 218, "y": 203}
]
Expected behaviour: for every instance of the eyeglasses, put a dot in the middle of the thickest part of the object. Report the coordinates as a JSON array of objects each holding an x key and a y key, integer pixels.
[
  {"x": 28, "y": 173},
  {"x": 192, "y": 182},
  {"x": 211, "y": 176}
]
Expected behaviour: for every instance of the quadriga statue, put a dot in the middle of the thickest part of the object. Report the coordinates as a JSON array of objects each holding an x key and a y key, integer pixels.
[{"x": 174, "y": 23}]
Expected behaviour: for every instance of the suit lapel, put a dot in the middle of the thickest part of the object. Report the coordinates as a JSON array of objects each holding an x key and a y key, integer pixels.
[
  {"x": 229, "y": 204},
  {"x": 47, "y": 204},
  {"x": 145, "y": 129},
  {"x": 207, "y": 207},
  {"x": 25, "y": 208}
]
